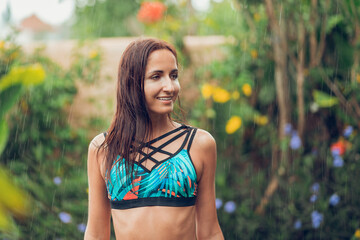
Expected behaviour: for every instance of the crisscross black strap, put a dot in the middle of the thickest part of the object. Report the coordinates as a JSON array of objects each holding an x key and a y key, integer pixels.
[
  {"x": 159, "y": 149},
  {"x": 189, "y": 131}
]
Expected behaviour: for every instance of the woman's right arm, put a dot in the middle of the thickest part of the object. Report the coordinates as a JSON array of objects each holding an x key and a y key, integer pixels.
[{"x": 99, "y": 211}]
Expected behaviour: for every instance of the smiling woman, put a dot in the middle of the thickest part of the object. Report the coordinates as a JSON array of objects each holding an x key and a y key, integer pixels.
[{"x": 148, "y": 171}]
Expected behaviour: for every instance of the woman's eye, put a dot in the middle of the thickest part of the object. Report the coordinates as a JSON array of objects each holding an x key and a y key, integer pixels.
[
  {"x": 155, "y": 77},
  {"x": 174, "y": 76}
]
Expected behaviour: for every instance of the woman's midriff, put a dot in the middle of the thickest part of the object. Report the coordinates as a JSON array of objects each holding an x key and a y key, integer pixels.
[{"x": 157, "y": 222}]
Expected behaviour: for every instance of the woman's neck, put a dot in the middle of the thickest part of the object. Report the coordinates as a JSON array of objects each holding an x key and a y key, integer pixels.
[{"x": 161, "y": 125}]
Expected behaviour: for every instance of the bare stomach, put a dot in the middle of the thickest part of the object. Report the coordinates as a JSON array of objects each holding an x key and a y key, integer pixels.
[{"x": 154, "y": 223}]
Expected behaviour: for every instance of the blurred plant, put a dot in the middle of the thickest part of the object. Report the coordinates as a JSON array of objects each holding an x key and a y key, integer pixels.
[
  {"x": 105, "y": 18},
  {"x": 13, "y": 201},
  {"x": 44, "y": 154},
  {"x": 87, "y": 62}
]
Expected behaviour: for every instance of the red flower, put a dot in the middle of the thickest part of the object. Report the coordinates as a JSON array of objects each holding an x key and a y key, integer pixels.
[
  {"x": 338, "y": 147},
  {"x": 151, "y": 12}
]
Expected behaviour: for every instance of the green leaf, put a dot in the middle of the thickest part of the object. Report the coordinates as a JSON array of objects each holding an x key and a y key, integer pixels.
[
  {"x": 4, "y": 134},
  {"x": 332, "y": 22},
  {"x": 8, "y": 98},
  {"x": 324, "y": 100}
]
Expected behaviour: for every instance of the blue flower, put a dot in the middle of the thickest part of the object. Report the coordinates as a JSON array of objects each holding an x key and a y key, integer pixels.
[
  {"x": 334, "y": 199},
  {"x": 230, "y": 207},
  {"x": 297, "y": 224},
  {"x": 338, "y": 161},
  {"x": 57, "y": 180},
  {"x": 218, "y": 203},
  {"x": 348, "y": 131},
  {"x": 295, "y": 141},
  {"x": 287, "y": 128},
  {"x": 315, "y": 188},
  {"x": 313, "y": 198},
  {"x": 81, "y": 227},
  {"x": 65, "y": 217},
  {"x": 316, "y": 219},
  {"x": 335, "y": 152}
]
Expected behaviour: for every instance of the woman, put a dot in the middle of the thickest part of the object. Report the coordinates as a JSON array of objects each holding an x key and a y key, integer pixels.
[{"x": 162, "y": 186}]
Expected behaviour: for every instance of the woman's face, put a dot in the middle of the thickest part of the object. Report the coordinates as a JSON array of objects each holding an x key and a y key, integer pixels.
[{"x": 161, "y": 85}]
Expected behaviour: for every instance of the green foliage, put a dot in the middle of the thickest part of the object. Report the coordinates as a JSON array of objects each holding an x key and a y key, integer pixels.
[
  {"x": 104, "y": 18},
  {"x": 246, "y": 157},
  {"x": 46, "y": 156}
]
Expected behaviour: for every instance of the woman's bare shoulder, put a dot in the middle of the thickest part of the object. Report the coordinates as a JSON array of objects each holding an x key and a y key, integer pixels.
[
  {"x": 96, "y": 142},
  {"x": 203, "y": 140}
]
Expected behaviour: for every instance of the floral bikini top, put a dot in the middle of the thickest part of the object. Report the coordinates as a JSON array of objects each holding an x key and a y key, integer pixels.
[{"x": 164, "y": 175}]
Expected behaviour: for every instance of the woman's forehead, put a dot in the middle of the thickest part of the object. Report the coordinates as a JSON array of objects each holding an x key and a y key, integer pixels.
[{"x": 162, "y": 58}]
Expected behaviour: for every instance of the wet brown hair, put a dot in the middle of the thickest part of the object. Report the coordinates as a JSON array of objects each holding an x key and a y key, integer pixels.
[{"x": 131, "y": 123}]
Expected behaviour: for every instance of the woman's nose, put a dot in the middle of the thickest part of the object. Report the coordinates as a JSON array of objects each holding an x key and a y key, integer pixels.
[{"x": 168, "y": 85}]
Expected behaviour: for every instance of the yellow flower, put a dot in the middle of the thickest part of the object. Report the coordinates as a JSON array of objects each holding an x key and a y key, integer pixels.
[
  {"x": 261, "y": 120},
  {"x": 5, "y": 221},
  {"x": 12, "y": 201},
  {"x": 254, "y": 54},
  {"x": 246, "y": 88},
  {"x": 257, "y": 17},
  {"x": 30, "y": 75},
  {"x": 207, "y": 90},
  {"x": 358, "y": 78},
  {"x": 220, "y": 95},
  {"x": 233, "y": 124},
  {"x": 93, "y": 54},
  {"x": 357, "y": 233},
  {"x": 235, "y": 95},
  {"x": 2, "y": 44}
]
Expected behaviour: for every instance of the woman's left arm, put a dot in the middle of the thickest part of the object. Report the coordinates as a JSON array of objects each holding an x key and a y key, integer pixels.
[{"x": 203, "y": 151}]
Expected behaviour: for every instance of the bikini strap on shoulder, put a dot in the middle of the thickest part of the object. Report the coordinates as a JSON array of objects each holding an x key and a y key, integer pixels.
[{"x": 191, "y": 138}]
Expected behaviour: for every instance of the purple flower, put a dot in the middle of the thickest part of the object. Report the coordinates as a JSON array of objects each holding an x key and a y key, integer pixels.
[
  {"x": 230, "y": 207},
  {"x": 348, "y": 131},
  {"x": 334, "y": 199},
  {"x": 297, "y": 224},
  {"x": 295, "y": 141},
  {"x": 335, "y": 152},
  {"x": 65, "y": 217},
  {"x": 57, "y": 180},
  {"x": 218, "y": 203},
  {"x": 315, "y": 188},
  {"x": 316, "y": 219},
  {"x": 81, "y": 227},
  {"x": 313, "y": 198},
  {"x": 338, "y": 161},
  {"x": 287, "y": 128}
]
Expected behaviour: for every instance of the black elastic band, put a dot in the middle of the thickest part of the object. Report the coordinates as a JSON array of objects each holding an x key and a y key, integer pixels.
[
  {"x": 165, "y": 135},
  {"x": 191, "y": 138},
  {"x": 154, "y": 201}
]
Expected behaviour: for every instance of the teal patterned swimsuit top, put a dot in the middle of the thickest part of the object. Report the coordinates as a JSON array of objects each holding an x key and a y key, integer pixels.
[{"x": 164, "y": 175}]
